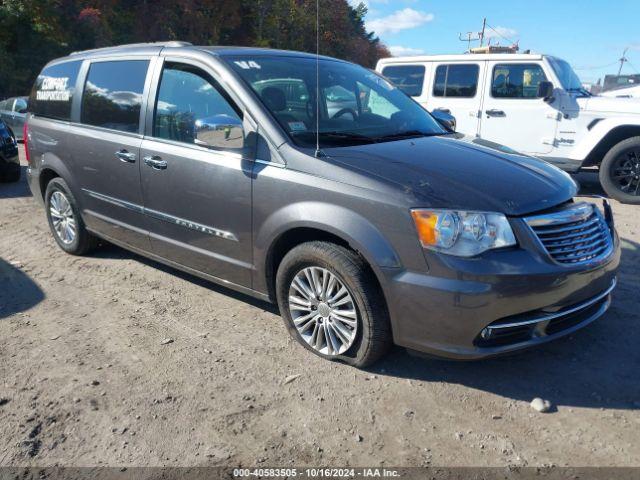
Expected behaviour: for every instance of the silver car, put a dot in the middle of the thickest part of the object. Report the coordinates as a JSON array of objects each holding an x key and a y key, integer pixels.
[
  {"x": 14, "y": 112},
  {"x": 368, "y": 226}
]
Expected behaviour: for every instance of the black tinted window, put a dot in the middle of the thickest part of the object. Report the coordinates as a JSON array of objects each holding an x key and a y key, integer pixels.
[
  {"x": 113, "y": 94},
  {"x": 53, "y": 91},
  {"x": 456, "y": 81},
  {"x": 187, "y": 95},
  {"x": 516, "y": 80},
  {"x": 408, "y": 78}
]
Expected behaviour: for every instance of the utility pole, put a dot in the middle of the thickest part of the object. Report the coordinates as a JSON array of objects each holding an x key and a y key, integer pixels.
[
  {"x": 474, "y": 38},
  {"x": 622, "y": 60},
  {"x": 469, "y": 39}
]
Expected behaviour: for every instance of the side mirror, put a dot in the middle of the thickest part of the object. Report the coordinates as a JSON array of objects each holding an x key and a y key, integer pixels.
[
  {"x": 445, "y": 119},
  {"x": 545, "y": 90},
  {"x": 219, "y": 131}
]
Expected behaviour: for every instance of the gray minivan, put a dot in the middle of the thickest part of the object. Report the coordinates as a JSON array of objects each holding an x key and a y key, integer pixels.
[{"x": 368, "y": 225}]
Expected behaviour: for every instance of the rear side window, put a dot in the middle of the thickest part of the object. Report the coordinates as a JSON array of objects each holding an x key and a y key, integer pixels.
[
  {"x": 408, "y": 78},
  {"x": 516, "y": 80},
  {"x": 112, "y": 95},
  {"x": 456, "y": 81},
  {"x": 53, "y": 91}
]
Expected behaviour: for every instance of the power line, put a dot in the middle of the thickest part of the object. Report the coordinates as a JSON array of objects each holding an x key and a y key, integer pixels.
[
  {"x": 500, "y": 35},
  {"x": 632, "y": 66},
  {"x": 596, "y": 67}
]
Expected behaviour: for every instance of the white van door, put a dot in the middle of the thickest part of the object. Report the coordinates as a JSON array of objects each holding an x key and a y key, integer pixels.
[
  {"x": 512, "y": 113},
  {"x": 456, "y": 88}
]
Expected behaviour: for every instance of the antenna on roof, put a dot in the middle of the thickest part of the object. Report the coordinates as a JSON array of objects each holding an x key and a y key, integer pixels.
[{"x": 317, "y": 154}]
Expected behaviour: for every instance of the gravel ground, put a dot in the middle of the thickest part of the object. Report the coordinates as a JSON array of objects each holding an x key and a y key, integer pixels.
[{"x": 87, "y": 379}]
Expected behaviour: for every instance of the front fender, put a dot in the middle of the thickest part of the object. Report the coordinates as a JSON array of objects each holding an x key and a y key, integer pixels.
[
  {"x": 599, "y": 131},
  {"x": 353, "y": 228}
]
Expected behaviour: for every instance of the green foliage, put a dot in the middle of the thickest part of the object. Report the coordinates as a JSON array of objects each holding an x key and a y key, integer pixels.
[{"x": 32, "y": 32}]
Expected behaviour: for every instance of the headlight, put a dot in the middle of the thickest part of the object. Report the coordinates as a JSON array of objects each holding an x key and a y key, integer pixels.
[{"x": 462, "y": 233}]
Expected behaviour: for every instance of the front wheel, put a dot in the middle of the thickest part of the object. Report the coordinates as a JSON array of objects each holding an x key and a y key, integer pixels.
[
  {"x": 331, "y": 304},
  {"x": 620, "y": 171}
]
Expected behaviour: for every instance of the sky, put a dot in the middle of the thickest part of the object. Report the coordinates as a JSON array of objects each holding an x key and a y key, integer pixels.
[{"x": 590, "y": 34}]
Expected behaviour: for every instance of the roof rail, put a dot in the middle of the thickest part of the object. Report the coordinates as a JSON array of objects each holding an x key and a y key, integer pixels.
[{"x": 169, "y": 44}]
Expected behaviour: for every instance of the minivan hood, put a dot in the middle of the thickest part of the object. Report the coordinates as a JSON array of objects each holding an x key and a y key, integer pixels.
[{"x": 461, "y": 172}]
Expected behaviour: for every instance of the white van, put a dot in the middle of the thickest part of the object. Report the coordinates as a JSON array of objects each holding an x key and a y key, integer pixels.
[{"x": 531, "y": 103}]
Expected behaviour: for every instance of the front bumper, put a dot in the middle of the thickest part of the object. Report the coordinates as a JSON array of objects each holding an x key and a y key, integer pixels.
[{"x": 498, "y": 303}]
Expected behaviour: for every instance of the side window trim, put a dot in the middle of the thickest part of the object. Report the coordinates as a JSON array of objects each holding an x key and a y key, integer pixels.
[
  {"x": 76, "y": 93},
  {"x": 500, "y": 64},
  {"x": 154, "y": 88},
  {"x": 76, "y": 104},
  {"x": 415, "y": 65},
  {"x": 434, "y": 74}
]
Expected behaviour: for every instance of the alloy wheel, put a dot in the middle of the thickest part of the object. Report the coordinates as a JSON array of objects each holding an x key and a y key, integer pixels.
[
  {"x": 625, "y": 172},
  {"x": 323, "y": 310},
  {"x": 62, "y": 218}
]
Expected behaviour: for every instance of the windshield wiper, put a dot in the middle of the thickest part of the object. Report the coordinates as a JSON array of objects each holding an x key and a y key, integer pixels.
[
  {"x": 337, "y": 134},
  {"x": 412, "y": 134},
  {"x": 347, "y": 135}
]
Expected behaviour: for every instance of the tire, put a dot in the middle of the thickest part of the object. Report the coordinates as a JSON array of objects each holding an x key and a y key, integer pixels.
[
  {"x": 620, "y": 159},
  {"x": 82, "y": 241},
  {"x": 11, "y": 174},
  {"x": 362, "y": 342}
]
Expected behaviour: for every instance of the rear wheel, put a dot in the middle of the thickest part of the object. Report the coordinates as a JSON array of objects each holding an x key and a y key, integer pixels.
[
  {"x": 620, "y": 171},
  {"x": 65, "y": 221},
  {"x": 332, "y": 305}
]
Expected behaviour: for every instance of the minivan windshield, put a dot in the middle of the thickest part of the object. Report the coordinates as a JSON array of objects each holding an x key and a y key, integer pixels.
[{"x": 356, "y": 106}]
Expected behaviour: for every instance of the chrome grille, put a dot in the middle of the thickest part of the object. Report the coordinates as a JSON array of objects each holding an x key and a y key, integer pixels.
[{"x": 576, "y": 234}]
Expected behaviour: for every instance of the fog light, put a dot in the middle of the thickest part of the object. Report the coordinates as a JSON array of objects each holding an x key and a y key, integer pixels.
[{"x": 485, "y": 333}]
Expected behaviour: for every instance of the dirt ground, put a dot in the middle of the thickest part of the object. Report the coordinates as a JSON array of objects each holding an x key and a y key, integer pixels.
[{"x": 85, "y": 379}]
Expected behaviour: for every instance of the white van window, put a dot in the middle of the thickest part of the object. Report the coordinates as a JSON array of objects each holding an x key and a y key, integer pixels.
[
  {"x": 408, "y": 78},
  {"x": 456, "y": 81},
  {"x": 516, "y": 80}
]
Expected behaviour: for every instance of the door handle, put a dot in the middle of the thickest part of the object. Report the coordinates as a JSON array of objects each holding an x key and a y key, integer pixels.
[
  {"x": 155, "y": 162},
  {"x": 495, "y": 113},
  {"x": 443, "y": 110},
  {"x": 125, "y": 156}
]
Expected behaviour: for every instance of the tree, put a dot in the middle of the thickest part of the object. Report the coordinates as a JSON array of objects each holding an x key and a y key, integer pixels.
[{"x": 32, "y": 32}]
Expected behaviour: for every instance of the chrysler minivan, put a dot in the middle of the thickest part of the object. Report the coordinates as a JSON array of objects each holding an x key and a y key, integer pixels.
[{"x": 369, "y": 225}]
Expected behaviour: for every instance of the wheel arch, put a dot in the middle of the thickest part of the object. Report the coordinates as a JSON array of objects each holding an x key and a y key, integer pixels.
[
  {"x": 611, "y": 138},
  {"x": 280, "y": 233},
  {"x": 46, "y": 175},
  {"x": 52, "y": 166}
]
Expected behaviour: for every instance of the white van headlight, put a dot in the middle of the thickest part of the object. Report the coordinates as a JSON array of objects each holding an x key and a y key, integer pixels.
[{"x": 462, "y": 233}]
